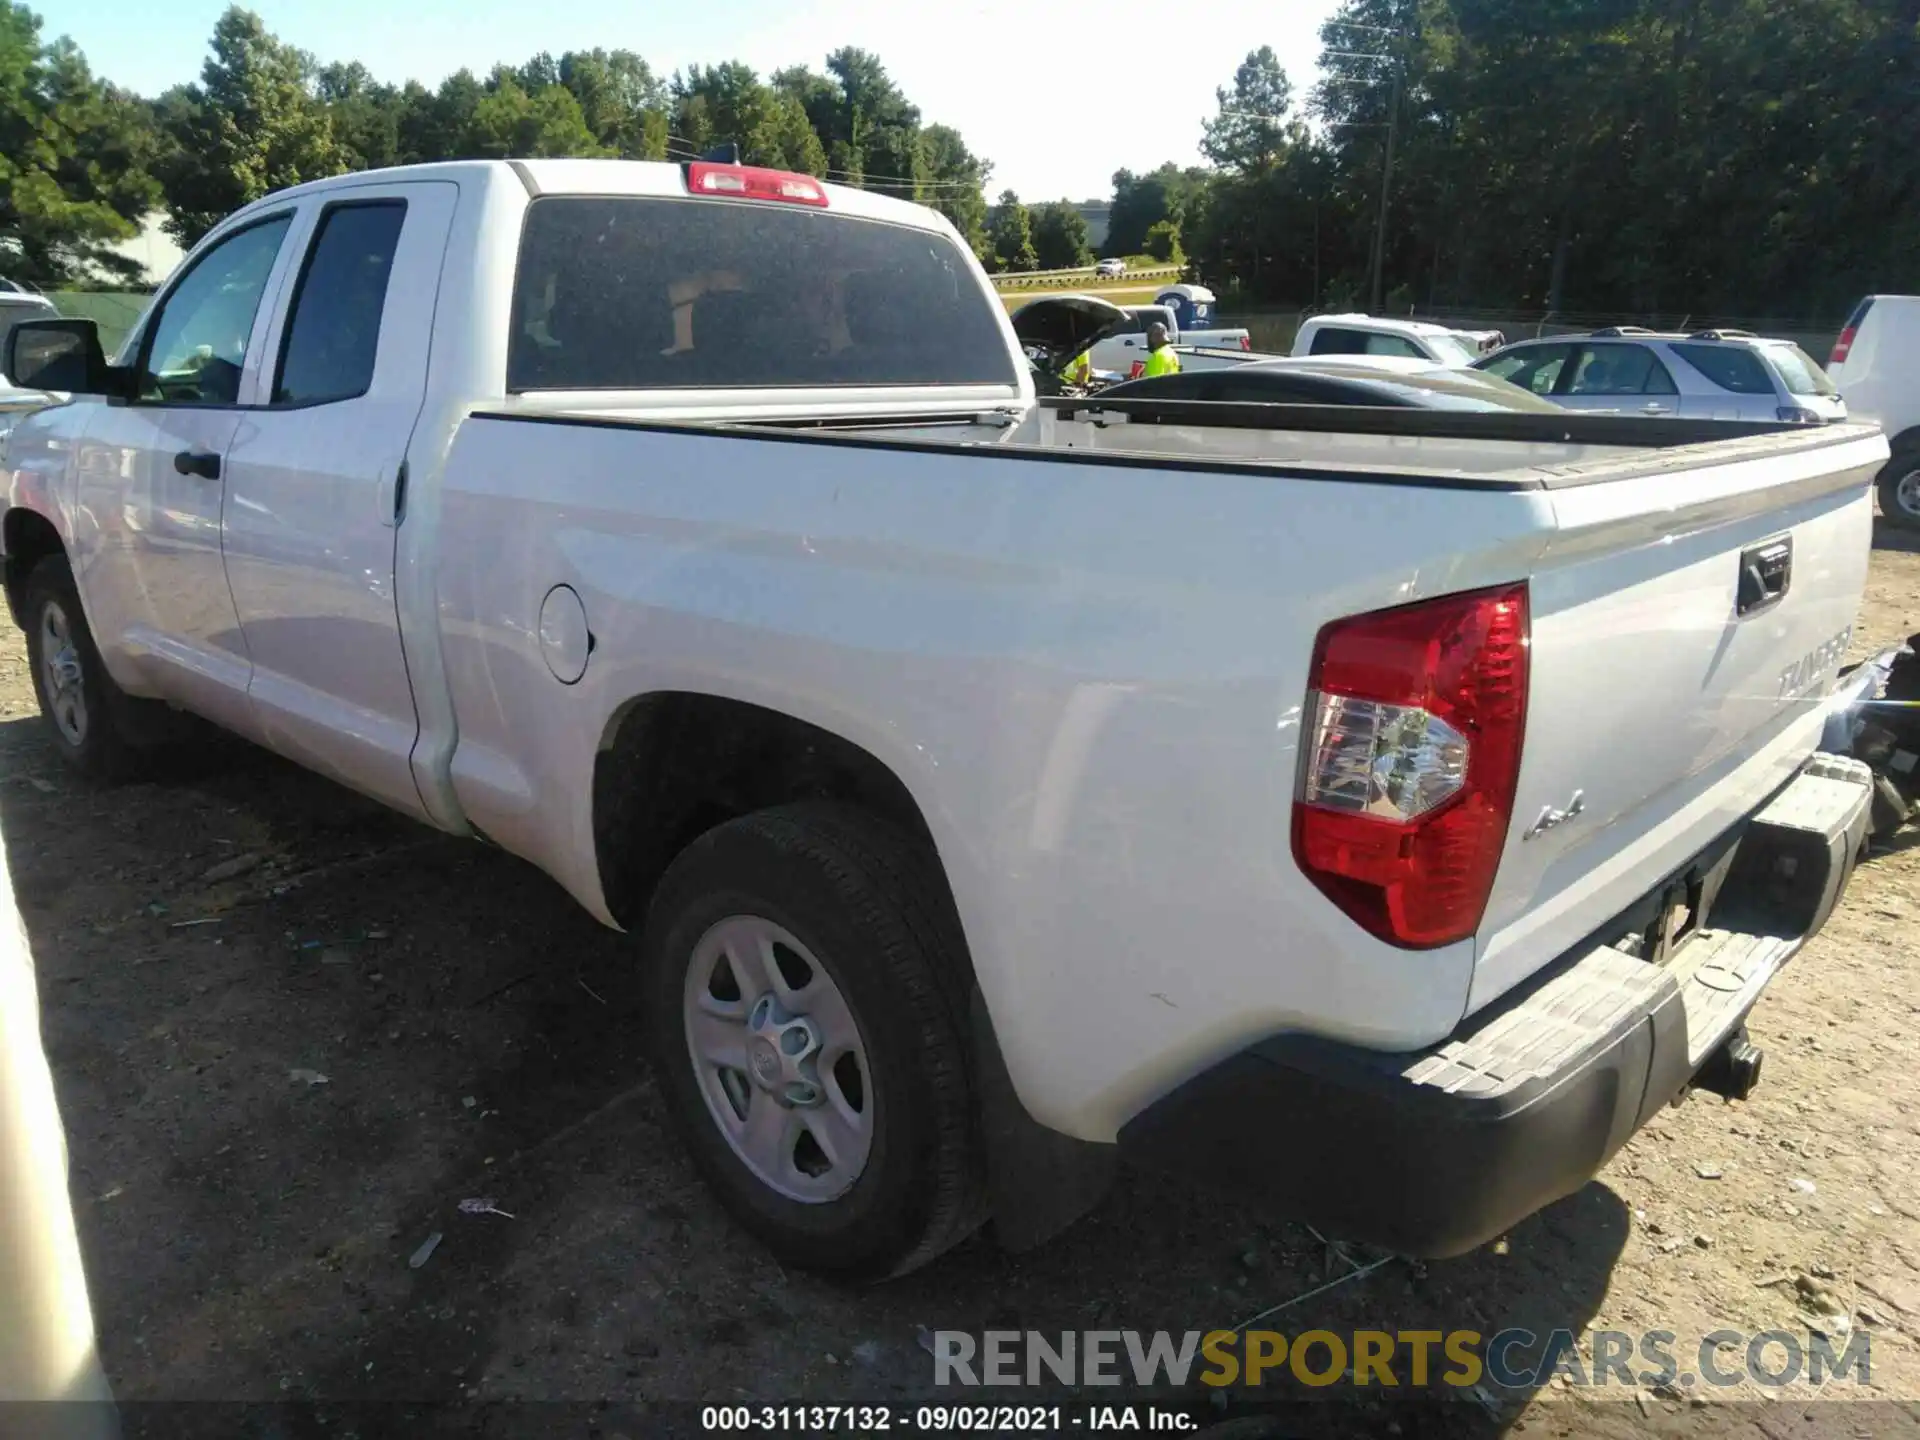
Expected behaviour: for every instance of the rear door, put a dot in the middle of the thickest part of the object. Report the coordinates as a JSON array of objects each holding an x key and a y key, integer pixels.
[
  {"x": 316, "y": 485},
  {"x": 1612, "y": 377}
]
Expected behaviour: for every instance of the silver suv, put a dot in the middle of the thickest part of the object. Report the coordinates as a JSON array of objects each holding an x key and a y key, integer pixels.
[{"x": 1712, "y": 375}]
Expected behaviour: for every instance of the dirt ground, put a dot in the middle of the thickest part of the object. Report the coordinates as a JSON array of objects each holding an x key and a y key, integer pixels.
[{"x": 209, "y": 948}]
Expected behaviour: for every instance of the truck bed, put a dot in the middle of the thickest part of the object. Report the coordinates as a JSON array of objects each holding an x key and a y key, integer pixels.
[{"x": 1088, "y": 666}]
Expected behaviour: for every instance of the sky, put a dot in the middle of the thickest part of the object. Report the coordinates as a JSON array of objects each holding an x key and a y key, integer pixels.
[{"x": 1058, "y": 97}]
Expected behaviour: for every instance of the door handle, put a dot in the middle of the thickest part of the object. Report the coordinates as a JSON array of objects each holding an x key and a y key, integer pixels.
[
  {"x": 203, "y": 463},
  {"x": 1766, "y": 572}
]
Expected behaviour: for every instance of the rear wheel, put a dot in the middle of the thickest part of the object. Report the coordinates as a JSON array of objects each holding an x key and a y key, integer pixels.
[
  {"x": 806, "y": 1004},
  {"x": 1900, "y": 489}
]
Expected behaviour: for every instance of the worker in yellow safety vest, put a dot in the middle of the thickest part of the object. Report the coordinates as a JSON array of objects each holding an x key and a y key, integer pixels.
[
  {"x": 1079, "y": 370},
  {"x": 1160, "y": 357}
]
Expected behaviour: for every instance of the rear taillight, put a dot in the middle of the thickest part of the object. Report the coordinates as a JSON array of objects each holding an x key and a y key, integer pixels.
[
  {"x": 1411, "y": 756},
  {"x": 1139, "y": 369},
  {"x": 1246, "y": 342},
  {"x": 1849, "y": 332},
  {"x": 748, "y": 182}
]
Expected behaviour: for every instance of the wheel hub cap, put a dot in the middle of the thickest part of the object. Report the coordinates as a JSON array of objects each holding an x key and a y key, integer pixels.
[
  {"x": 781, "y": 1063},
  {"x": 61, "y": 675},
  {"x": 1907, "y": 492}
]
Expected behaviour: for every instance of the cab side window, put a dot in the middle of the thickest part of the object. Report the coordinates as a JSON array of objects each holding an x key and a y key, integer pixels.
[
  {"x": 197, "y": 343},
  {"x": 333, "y": 329}
]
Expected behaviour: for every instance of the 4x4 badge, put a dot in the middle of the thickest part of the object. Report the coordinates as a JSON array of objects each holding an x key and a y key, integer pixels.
[{"x": 1550, "y": 817}]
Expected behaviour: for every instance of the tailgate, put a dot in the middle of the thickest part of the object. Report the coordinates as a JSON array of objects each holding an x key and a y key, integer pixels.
[{"x": 1688, "y": 618}]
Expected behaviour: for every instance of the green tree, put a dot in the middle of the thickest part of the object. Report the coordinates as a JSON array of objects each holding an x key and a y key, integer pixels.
[
  {"x": 1163, "y": 243},
  {"x": 622, "y": 101},
  {"x": 1010, "y": 235},
  {"x": 729, "y": 103},
  {"x": 956, "y": 183},
  {"x": 73, "y": 159},
  {"x": 1060, "y": 237},
  {"x": 1142, "y": 201},
  {"x": 252, "y": 125},
  {"x": 1251, "y": 132},
  {"x": 509, "y": 121},
  {"x": 365, "y": 115}
]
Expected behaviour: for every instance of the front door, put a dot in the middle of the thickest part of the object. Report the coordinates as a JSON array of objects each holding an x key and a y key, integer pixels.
[
  {"x": 152, "y": 483},
  {"x": 316, "y": 486}
]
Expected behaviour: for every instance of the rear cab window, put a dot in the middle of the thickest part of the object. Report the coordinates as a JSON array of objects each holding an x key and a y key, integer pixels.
[{"x": 656, "y": 293}]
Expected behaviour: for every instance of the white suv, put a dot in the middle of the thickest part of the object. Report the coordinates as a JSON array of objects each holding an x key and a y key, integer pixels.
[
  {"x": 1874, "y": 365},
  {"x": 1710, "y": 375}
]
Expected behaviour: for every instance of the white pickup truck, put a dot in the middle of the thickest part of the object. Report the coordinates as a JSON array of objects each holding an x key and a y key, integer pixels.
[{"x": 1388, "y": 809}]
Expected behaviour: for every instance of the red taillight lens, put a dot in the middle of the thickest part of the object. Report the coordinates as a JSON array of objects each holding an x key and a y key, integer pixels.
[
  {"x": 1842, "y": 347},
  {"x": 1246, "y": 342},
  {"x": 1139, "y": 369},
  {"x": 1411, "y": 756},
  {"x": 748, "y": 182}
]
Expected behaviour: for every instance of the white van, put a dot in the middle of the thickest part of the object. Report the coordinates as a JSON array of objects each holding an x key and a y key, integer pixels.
[{"x": 1875, "y": 363}]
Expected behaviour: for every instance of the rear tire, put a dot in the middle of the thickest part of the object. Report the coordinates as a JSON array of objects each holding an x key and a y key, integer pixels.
[
  {"x": 811, "y": 948},
  {"x": 83, "y": 708},
  {"x": 1899, "y": 486}
]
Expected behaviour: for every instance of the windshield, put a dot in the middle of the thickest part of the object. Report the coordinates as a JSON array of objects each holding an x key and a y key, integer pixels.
[
  {"x": 647, "y": 293},
  {"x": 1449, "y": 350},
  {"x": 1800, "y": 370}
]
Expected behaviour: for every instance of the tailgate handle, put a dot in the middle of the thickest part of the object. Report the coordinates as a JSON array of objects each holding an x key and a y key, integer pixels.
[{"x": 1765, "y": 573}]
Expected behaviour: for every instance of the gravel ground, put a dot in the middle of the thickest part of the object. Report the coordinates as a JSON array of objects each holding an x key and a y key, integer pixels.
[{"x": 292, "y": 1032}]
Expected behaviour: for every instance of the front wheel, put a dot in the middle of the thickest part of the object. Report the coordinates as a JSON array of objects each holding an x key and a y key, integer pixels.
[
  {"x": 1900, "y": 490},
  {"x": 80, "y": 702},
  {"x": 805, "y": 1008}
]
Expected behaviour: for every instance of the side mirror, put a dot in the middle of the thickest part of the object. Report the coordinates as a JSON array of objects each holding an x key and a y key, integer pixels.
[{"x": 64, "y": 355}]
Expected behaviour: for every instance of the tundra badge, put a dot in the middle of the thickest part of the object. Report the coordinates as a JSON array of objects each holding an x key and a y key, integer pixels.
[{"x": 1806, "y": 673}]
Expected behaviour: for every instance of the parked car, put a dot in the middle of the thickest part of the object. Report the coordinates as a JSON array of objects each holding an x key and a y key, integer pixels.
[
  {"x": 1709, "y": 375},
  {"x": 1876, "y": 364},
  {"x": 1375, "y": 335},
  {"x": 1393, "y": 382},
  {"x": 1111, "y": 266},
  {"x": 20, "y": 302},
  {"x": 994, "y": 785}
]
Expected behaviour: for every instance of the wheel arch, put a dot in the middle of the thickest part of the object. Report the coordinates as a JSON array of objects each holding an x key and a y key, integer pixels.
[
  {"x": 673, "y": 764},
  {"x": 26, "y": 538}
]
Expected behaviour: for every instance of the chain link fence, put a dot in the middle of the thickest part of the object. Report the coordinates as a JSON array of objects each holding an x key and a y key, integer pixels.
[
  {"x": 114, "y": 311},
  {"x": 1273, "y": 328}
]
